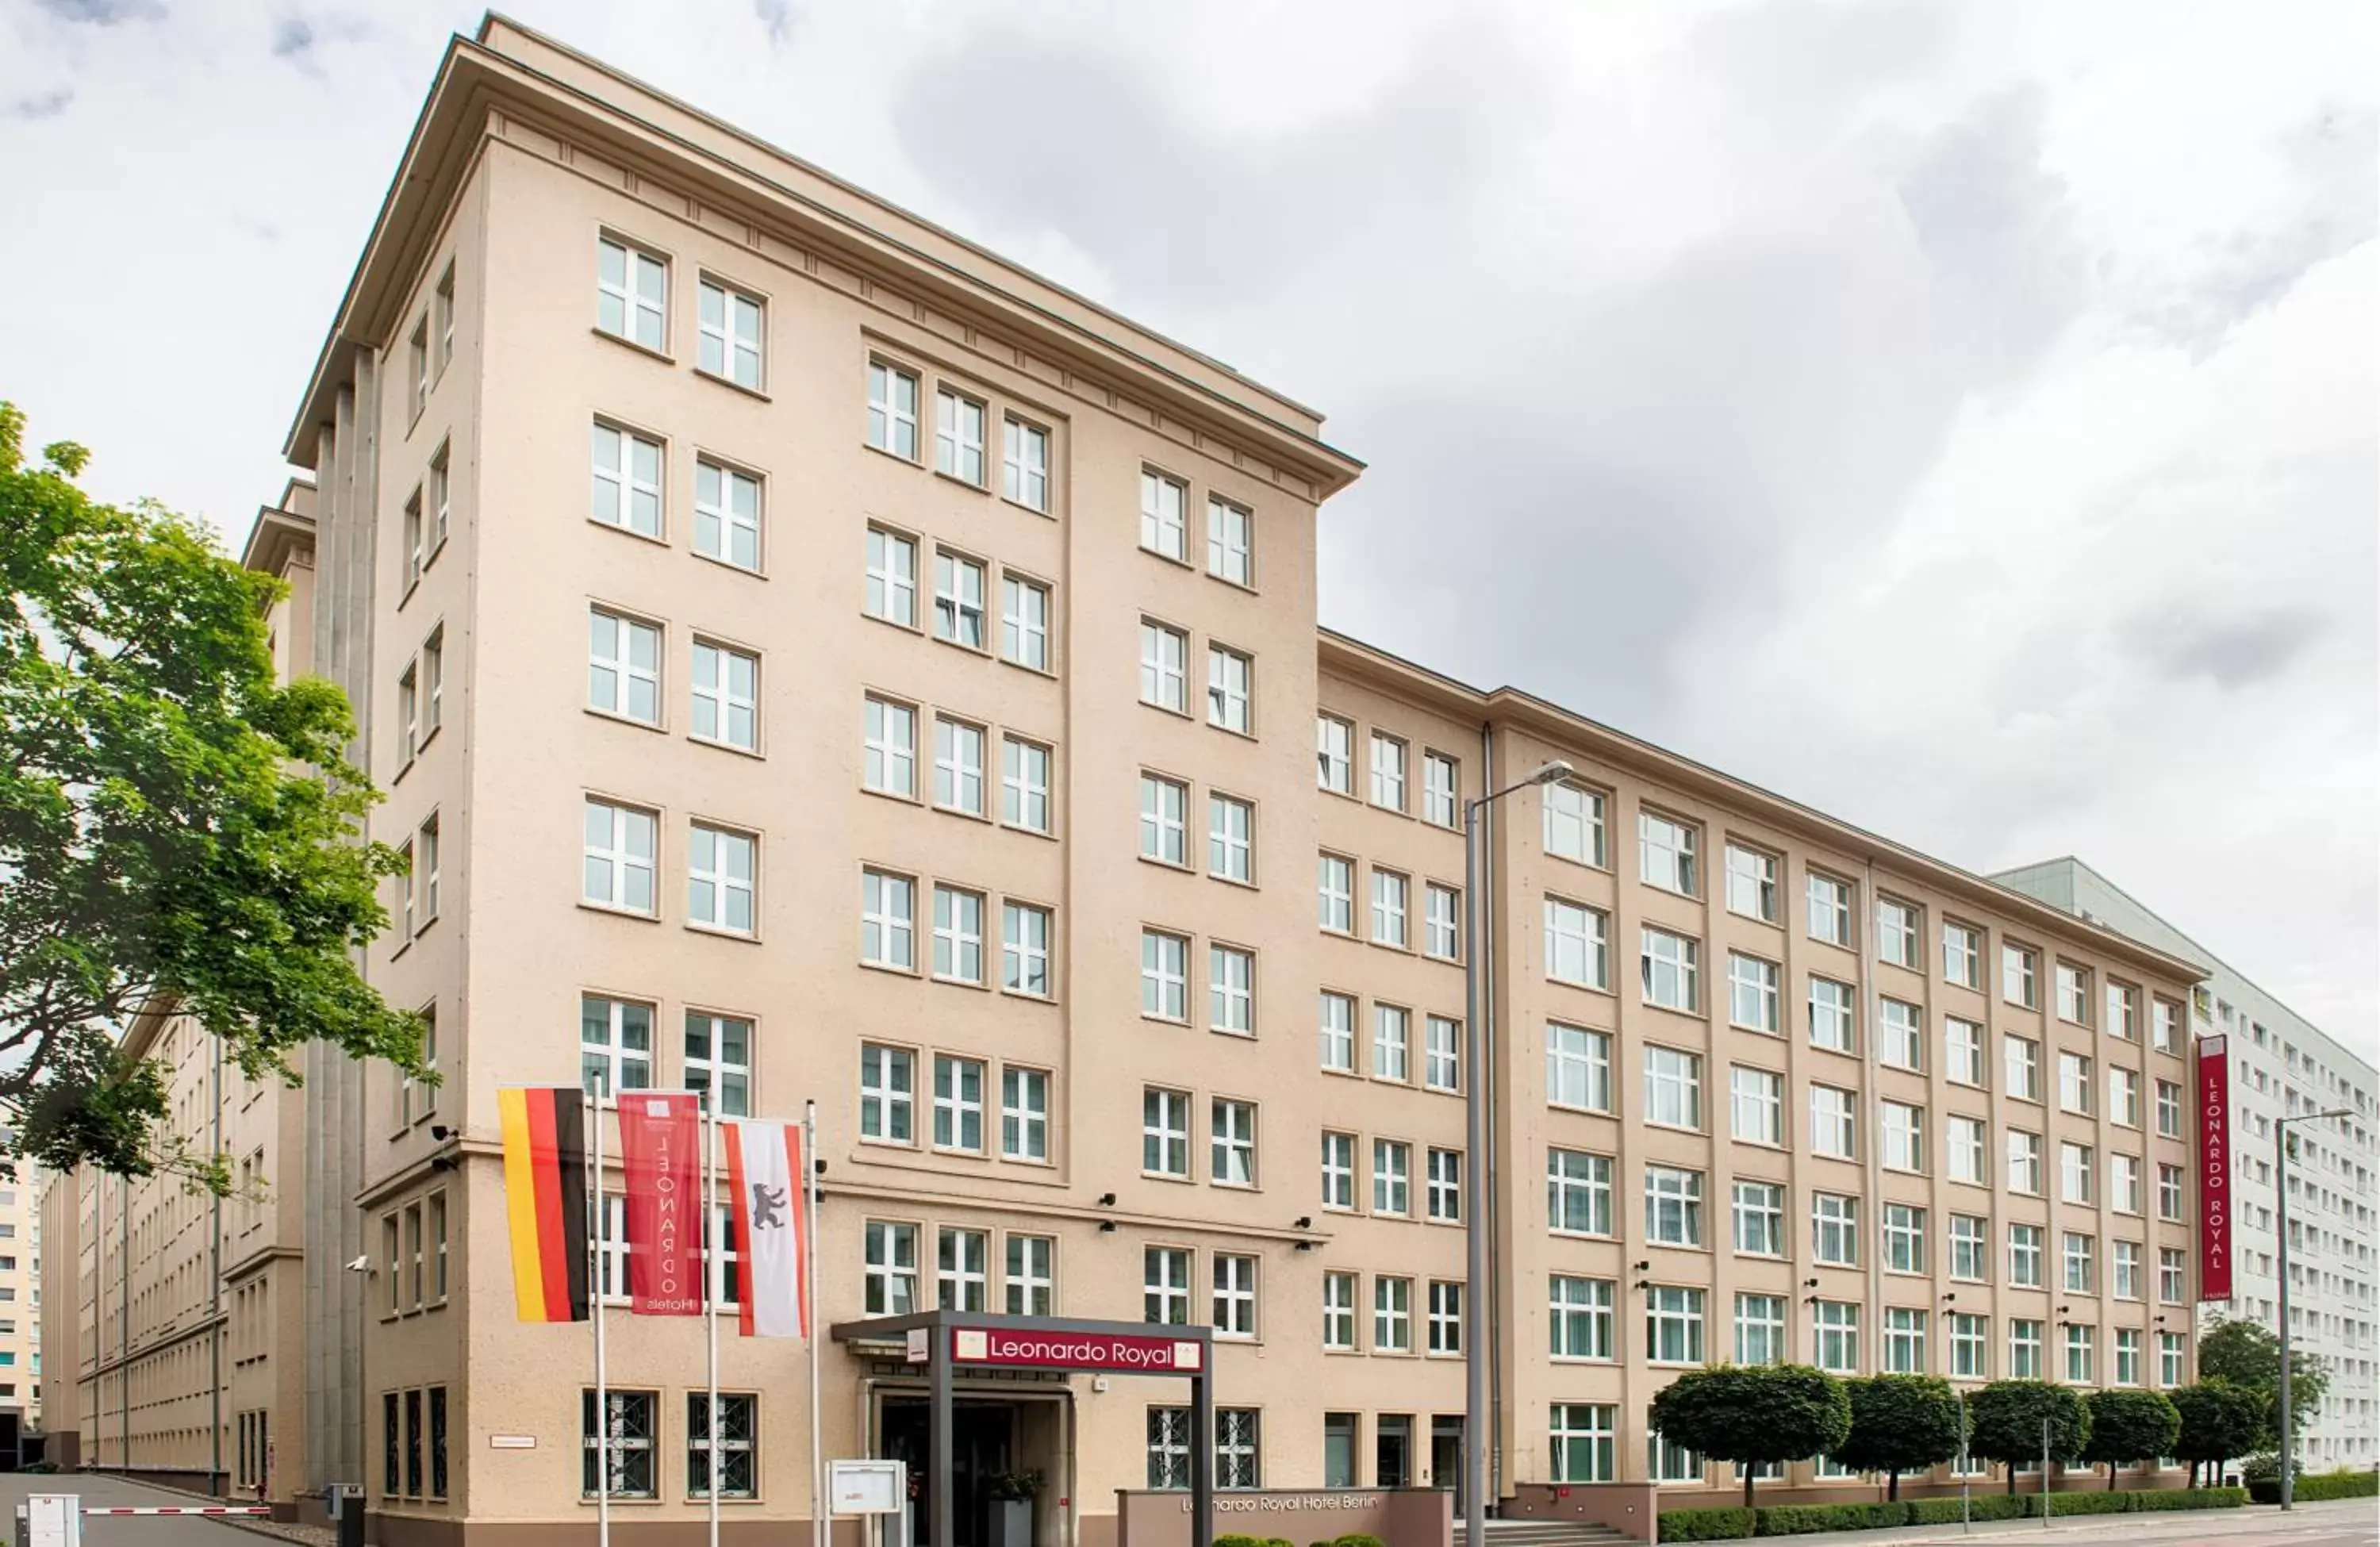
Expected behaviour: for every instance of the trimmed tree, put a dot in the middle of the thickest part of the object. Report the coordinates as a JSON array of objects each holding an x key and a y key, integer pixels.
[
  {"x": 1754, "y": 1414},
  {"x": 2129, "y": 1426},
  {"x": 2249, "y": 1354},
  {"x": 2220, "y": 1420},
  {"x": 2006, "y": 1419},
  {"x": 1899, "y": 1423}
]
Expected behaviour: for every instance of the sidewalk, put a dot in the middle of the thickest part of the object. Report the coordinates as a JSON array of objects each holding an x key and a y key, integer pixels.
[{"x": 2210, "y": 1524}]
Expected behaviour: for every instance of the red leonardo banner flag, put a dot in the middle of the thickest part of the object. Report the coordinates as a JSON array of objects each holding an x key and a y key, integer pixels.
[
  {"x": 545, "y": 1198},
  {"x": 2213, "y": 1170},
  {"x": 660, "y": 1136},
  {"x": 765, "y": 1175}
]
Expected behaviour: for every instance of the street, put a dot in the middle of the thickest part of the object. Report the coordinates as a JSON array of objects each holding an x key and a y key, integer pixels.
[{"x": 98, "y": 1491}]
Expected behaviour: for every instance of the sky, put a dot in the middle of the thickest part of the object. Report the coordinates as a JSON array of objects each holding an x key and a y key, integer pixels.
[{"x": 1959, "y": 417}]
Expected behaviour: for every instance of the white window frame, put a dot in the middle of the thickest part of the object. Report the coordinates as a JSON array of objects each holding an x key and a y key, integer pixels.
[
  {"x": 1231, "y": 542},
  {"x": 892, "y": 578},
  {"x": 1023, "y": 622},
  {"x": 958, "y": 934},
  {"x": 1388, "y": 757},
  {"x": 1164, "y": 515},
  {"x": 723, "y": 878},
  {"x": 888, "y": 920},
  {"x": 643, "y": 307},
  {"x": 1756, "y": 1105},
  {"x": 633, "y": 488},
  {"x": 1164, "y": 818},
  {"x": 1577, "y": 944},
  {"x": 962, "y": 433},
  {"x": 1165, "y": 1132},
  {"x": 1231, "y": 689},
  {"x": 893, "y": 393},
  {"x": 888, "y": 1094},
  {"x": 959, "y": 749},
  {"x": 724, "y": 688},
  {"x": 1755, "y": 993},
  {"x": 1671, "y": 964},
  {"x": 1025, "y": 464},
  {"x": 1668, "y": 853},
  {"x": 1024, "y": 773},
  {"x": 725, "y": 345},
  {"x": 1026, "y": 929},
  {"x": 1336, "y": 1015},
  {"x": 1232, "y": 989},
  {"x": 958, "y": 1104},
  {"x": 1164, "y": 975},
  {"x": 961, "y": 584},
  {"x": 1164, "y": 668},
  {"x": 723, "y": 524},
  {"x": 628, "y": 849},
  {"x": 1578, "y": 1067}
]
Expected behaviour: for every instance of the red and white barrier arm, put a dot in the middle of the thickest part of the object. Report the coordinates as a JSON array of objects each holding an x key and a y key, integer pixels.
[{"x": 174, "y": 1509}]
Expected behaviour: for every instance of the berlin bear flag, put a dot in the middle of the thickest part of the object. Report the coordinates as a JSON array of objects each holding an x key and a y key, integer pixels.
[{"x": 765, "y": 1176}]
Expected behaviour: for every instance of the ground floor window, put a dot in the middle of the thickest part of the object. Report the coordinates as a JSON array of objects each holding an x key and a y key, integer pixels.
[
  {"x": 1338, "y": 1450},
  {"x": 1671, "y": 1463},
  {"x": 1581, "y": 1442},
  {"x": 1168, "y": 1447},
  {"x": 737, "y": 1433},
  {"x": 625, "y": 1432},
  {"x": 255, "y": 1446},
  {"x": 1237, "y": 1455}
]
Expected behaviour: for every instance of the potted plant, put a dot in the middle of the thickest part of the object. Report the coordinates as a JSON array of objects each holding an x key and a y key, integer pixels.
[{"x": 1012, "y": 1507}]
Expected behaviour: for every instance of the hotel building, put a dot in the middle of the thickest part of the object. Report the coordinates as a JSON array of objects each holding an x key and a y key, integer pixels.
[{"x": 809, "y": 658}]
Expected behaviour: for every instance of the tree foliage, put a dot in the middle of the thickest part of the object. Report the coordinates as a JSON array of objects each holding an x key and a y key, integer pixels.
[
  {"x": 2129, "y": 1426},
  {"x": 178, "y": 827},
  {"x": 2006, "y": 1418},
  {"x": 1899, "y": 1423},
  {"x": 2249, "y": 1354},
  {"x": 1754, "y": 1414},
  {"x": 2220, "y": 1420}
]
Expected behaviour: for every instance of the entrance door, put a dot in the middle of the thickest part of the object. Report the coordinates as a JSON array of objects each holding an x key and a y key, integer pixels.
[
  {"x": 982, "y": 1442},
  {"x": 1446, "y": 1456},
  {"x": 1392, "y": 1452}
]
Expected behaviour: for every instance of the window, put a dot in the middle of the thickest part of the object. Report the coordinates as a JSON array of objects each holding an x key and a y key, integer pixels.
[
  {"x": 1902, "y": 1027},
  {"x": 958, "y": 934},
  {"x": 1235, "y": 1296},
  {"x": 2165, "y": 1021},
  {"x": 2124, "y": 1097},
  {"x": 620, "y": 856},
  {"x": 2169, "y": 1275},
  {"x": 2024, "y": 1069},
  {"x": 1024, "y": 949},
  {"x": 1673, "y": 1206},
  {"x": 1338, "y": 1170},
  {"x": 1445, "y": 1317},
  {"x": 1442, "y": 1054},
  {"x": 1832, "y": 1015},
  {"x": 1388, "y": 772},
  {"x": 962, "y": 1269},
  {"x": 887, "y": 921},
  {"x": 1581, "y": 1317},
  {"x": 1580, "y": 1436},
  {"x": 1577, "y": 949},
  {"x": 1674, "y": 1087},
  {"x": 958, "y": 1104},
  {"x": 1834, "y": 1122},
  {"x": 418, "y": 359},
  {"x": 2124, "y": 1184},
  {"x": 1232, "y": 1143},
  {"x": 1904, "y": 1136},
  {"x": 1834, "y": 1326},
  {"x": 892, "y": 578},
  {"x": 1024, "y": 622},
  {"x": 2074, "y": 1169},
  {"x": 2082, "y": 1350},
  {"x": 444, "y": 305},
  {"x": 1966, "y": 1145},
  {"x": 1162, "y": 528},
  {"x": 425, "y": 870},
  {"x": 2168, "y": 1109},
  {"x": 1904, "y": 1340},
  {"x": 958, "y": 600},
  {"x": 739, "y": 1433},
  {"x": 1391, "y": 896},
  {"x": 1970, "y": 1347},
  {"x": 1962, "y": 1051},
  {"x": 1442, "y": 1170},
  {"x": 1392, "y": 1035},
  {"x": 1758, "y": 1097},
  {"x": 1664, "y": 853},
  {"x": 1164, "y": 1132},
  {"x": 892, "y": 410},
  {"x": 2078, "y": 1255},
  {"x": 1673, "y": 1324},
  {"x": 958, "y": 766},
  {"x": 959, "y": 437},
  {"x": 726, "y": 696},
  {"x": 2128, "y": 1357},
  {"x": 2019, "y": 980},
  {"x": 631, "y": 302},
  {"x": 626, "y": 480},
  {"x": 1441, "y": 777},
  {"x": 1164, "y": 668},
  {"x": 1440, "y": 934},
  {"x": 727, "y": 338},
  {"x": 2123, "y": 1013},
  {"x": 1231, "y": 542},
  {"x": 1830, "y": 910},
  {"x": 1334, "y": 754},
  {"x": 1230, "y": 838},
  {"x": 1578, "y": 1192},
  {"x": 1164, "y": 836},
  {"x": 1032, "y": 1275},
  {"x": 1338, "y": 1311},
  {"x": 1164, "y": 976},
  {"x": 433, "y": 682},
  {"x": 1168, "y": 1447},
  {"x": 1578, "y": 1067},
  {"x": 1672, "y": 974},
  {"x": 2024, "y": 1256},
  {"x": 1232, "y": 989},
  {"x": 2024, "y": 1349},
  {"x": 2169, "y": 1192},
  {"x": 1392, "y": 1314},
  {"x": 616, "y": 1456},
  {"x": 2073, "y": 994},
  {"x": 408, "y": 717},
  {"x": 2168, "y": 1358},
  {"x": 1023, "y": 1114},
  {"x": 1025, "y": 784},
  {"x": 1970, "y": 1249},
  {"x": 726, "y": 514},
  {"x": 1230, "y": 679},
  {"x": 1165, "y": 1284},
  {"x": 2073, "y": 1082},
  {"x": 1834, "y": 1229},
  {"x": 1574, "y": 825},
  {"x": 887, "y": 1095},
  {"x": 1759, "y": 1219},
  {"x": 1896, "y": 933},
  {"x": 1759, "y": 1329},
  {"x": 2023, "y": 1161},
  {"x": 2124, "y": 1259},
  {"x": 721, "y": 865},
  {"x": 1905, "y": 1238},
  {"x": 1337, "y": 882},
  {"x": 1752, "y": 883},
  {"x": 1338, "y": 1021},
  {"x": 1025, "y": 465},
  {"x": 1752, "y": 992},
  {"x": 1963, "y": 953},
  {"x": 1391, "y": 1176},
  {"x": 416, "y": 541}
]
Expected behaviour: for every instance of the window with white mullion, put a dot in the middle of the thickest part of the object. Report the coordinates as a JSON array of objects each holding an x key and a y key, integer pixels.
[
  {"x": 892, "y": 410},
  {"x": 958, "y": 1104},
  {"x": 1025, "y": 784},
  {"x": 621, "y": 844},
  {"x": 887, "y": 1095},
  {"x": 1231, "y": 542},
  {"x": 1232, "y": 989},
  {"x": 726, "y": 513},
  {"x": 720, "y": 868},
  {"x": 959, "y": 423},
  {"x": 624, "y": 666},
  {"x": 890, "y": 732},
  {"x": 728, "y": 334},
  {"x": 1163, "y": 524},
  {"x": 632, "y": 294},
  {"x": 626, "y": 480},
  {"x": 1023, "y": 1114},
  {"x": 892, "y": 578},
  {"x": 1232, "y": 1143},
  {"x": 726, "y": 694},
  {"x": 1024, "y": 472},
  {"x": 1230, "y": 838},
  {"x": 958, "y": 600},
  {"x": 1024, "y": 622},
  {"x": 1165, "y": 1132},
  {"x": 958, "y": 766},
  {"x": 958, "y": 934},
  {"x": 1164, "y": 668}
]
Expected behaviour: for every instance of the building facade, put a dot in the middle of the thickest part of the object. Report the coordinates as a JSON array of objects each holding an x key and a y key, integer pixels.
[
  {"x": 20, "y": 1296},
  {"x": 2281, "y": 1065},
  {"x": 809, "y": 658}
]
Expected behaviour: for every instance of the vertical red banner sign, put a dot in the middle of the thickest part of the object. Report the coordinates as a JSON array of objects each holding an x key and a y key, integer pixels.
[
  {"x": 2213, "y": 1170},
  {"x": 660, "y": 1136}
]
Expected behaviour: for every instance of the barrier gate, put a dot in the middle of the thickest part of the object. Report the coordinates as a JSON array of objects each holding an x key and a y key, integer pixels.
[{"x": 55, "y": 1520}]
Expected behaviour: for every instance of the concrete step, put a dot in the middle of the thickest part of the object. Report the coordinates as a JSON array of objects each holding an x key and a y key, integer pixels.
[{"x": 1543, "y": 1533}]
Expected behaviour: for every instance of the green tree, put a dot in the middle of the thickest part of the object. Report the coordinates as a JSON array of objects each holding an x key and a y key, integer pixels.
[
  {"x": 2248, "y": 1354},
  {"x": 2220, "y": 1420},
  {"x": 1899, "y": 1423},
  {"x": 2006, "y": 1417},
  {"x": 178, "y": 828},
  {"x": 1754, "y": 1413},
  {"x": 2129, "y": 1426}
]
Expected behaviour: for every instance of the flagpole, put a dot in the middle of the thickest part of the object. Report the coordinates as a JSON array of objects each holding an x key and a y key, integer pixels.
[
  {"x": 821, "y": 1526},
  {"x": 715, "y": 1273},
  {"x": 602, "y": 1396}
]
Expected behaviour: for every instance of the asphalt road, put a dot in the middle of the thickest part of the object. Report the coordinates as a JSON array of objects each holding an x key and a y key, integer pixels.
[{"x": 121, "y": 1531}]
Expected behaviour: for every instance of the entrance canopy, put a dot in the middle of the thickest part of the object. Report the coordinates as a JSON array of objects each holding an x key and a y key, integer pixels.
[{"x": 948, "y": 1342}]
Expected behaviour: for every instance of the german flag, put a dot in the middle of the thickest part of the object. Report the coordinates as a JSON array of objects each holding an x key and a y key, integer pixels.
[{"x": 545, "y": 1198}]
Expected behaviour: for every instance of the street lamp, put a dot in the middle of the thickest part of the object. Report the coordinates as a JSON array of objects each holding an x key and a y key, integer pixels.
[
  {"x": 2282, "y": 1196},
  {"x": 1474, "y": 1407}
]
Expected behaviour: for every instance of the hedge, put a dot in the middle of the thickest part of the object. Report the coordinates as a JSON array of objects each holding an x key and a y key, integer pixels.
[
  {"x": 1720, "y": 1525},
  {"x": 2322, "y": 1485}
]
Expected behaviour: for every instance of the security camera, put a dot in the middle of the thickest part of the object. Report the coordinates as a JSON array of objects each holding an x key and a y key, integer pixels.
[{"x": 362, "y": 1264}]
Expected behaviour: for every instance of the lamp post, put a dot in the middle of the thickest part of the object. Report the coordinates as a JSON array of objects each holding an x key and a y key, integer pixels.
[
  {"x": 2281, "y": 1197},
  {"x": 1474, "y": 1103}
]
